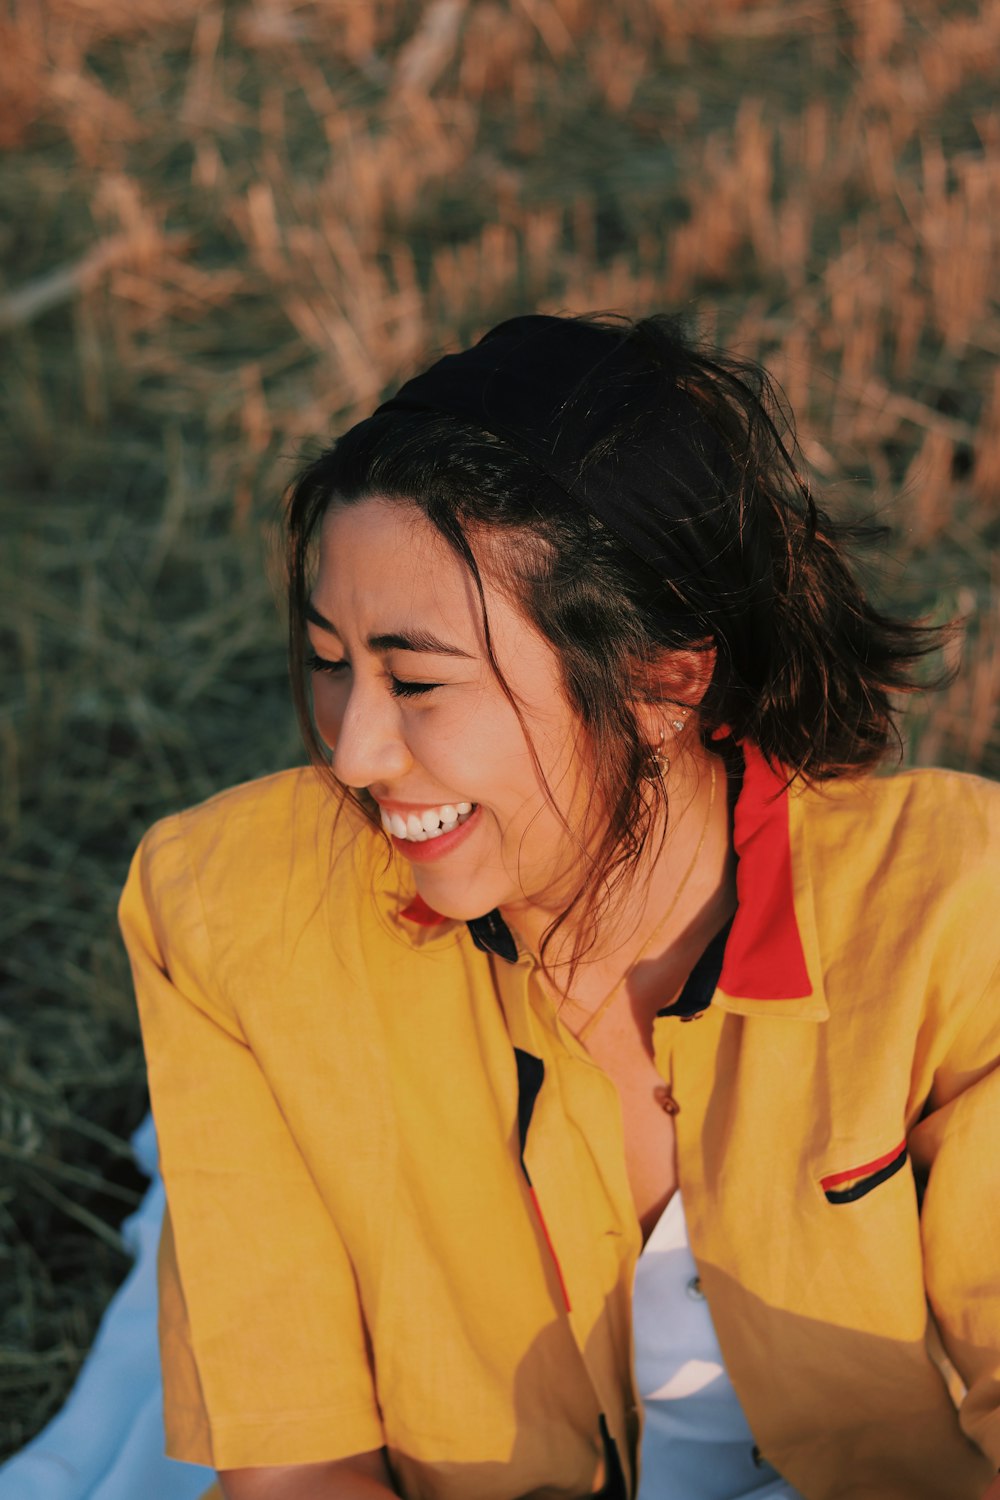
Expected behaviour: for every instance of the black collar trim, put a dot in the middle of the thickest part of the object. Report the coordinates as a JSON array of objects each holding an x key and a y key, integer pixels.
[
  {"x": 492, "y": 935},
  {"x": 703, "y": 980}
]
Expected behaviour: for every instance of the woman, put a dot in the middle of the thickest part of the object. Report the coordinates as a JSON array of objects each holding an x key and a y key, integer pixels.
[{"x": 593, "y": 941}]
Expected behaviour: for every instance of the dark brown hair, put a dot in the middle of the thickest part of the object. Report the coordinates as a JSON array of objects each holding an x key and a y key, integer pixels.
[{"x": 805, "y": 665}]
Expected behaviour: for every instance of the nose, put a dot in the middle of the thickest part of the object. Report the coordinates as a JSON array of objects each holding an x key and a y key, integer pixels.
[{"x": 368, "y": 744}]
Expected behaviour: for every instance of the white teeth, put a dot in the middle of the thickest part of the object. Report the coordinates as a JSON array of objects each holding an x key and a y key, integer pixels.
[{"x": 430, "y": 824}]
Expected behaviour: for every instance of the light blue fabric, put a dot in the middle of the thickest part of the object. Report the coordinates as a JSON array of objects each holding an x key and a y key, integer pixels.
[
  {"x": 696, "y": 1444},
  {"x": 107, "y": 1441}
]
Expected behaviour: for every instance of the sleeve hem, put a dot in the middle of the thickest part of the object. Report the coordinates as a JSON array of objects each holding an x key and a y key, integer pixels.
[{"x": 283, "y": 1438}]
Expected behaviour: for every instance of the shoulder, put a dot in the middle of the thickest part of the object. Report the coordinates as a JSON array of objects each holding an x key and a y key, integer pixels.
[
  {"x": 903, "y": 871},
  {"x": 941, "y": 821},
  {"x": 276, "y": 907},
  {"x": 251, "y": 855},
  {"x": 268, "y": 818},
  {"x": 258, "y": 807}
]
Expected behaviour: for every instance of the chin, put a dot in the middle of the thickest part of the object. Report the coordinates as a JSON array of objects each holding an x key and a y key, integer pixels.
[
  {"x": 460, "y": 905},
  {"x": 456, "y": 909}
]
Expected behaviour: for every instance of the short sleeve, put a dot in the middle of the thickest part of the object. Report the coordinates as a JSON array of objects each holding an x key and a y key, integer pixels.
[
  {"x": 956, "y": 1145},
  {"x": 263, "y": 1344}
]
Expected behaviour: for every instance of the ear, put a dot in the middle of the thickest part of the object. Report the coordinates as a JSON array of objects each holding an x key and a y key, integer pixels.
[{"x": 670, "y": 690}]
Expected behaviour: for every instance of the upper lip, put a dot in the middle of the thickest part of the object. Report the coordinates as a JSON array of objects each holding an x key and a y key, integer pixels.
[{"x": 391, "y": 805}]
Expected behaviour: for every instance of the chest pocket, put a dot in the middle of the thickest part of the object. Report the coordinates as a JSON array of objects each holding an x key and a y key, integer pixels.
[{"x": 855, "y": 1182}]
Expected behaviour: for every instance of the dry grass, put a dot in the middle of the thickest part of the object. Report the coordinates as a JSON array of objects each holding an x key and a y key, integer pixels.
[{"x": 227, "y": 230}]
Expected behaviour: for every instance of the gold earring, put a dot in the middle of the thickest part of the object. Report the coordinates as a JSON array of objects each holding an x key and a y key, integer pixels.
[{"x": 661, "y": 760}]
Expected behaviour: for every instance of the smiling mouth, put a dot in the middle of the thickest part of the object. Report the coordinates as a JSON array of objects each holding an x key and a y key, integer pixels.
[{"x": 417, "y": 828}]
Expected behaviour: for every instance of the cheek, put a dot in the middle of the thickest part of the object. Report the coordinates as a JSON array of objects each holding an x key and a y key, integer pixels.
[{"x": 328, "y": 709}]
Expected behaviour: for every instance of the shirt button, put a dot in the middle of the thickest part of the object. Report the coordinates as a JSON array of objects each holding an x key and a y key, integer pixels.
[{"x": 694, "y": 1290}]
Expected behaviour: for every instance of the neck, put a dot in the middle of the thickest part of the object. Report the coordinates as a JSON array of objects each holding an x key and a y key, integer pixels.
[{"x": 689, "y": 875}]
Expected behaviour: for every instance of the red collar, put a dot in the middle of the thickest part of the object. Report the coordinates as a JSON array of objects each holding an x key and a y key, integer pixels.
[
  {"x": 764, "y": 958},
  {"x": 423, "y": 915}
]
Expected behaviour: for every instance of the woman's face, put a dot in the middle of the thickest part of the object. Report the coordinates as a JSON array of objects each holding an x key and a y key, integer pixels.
[{"x": 405, "y": 697}]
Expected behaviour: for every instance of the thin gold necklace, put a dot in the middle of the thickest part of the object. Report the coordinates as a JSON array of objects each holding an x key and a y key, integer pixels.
[{"x": 596, "y": 1015}]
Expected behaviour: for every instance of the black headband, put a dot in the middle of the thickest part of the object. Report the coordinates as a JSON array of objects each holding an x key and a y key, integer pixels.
[{"x": 555, "y": 389}]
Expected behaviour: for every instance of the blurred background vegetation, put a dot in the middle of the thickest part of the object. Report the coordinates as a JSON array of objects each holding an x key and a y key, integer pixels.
[{"x": 226, "y": 229}]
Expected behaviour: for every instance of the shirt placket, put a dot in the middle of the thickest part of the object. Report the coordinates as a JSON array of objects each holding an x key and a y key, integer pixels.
[{"x": 574, "y": 1159}]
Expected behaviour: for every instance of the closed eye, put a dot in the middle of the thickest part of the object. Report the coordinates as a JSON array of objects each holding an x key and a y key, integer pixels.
[
  {"x": 398, "y": 688},
  {"x": 316, "y": 663},
  {"x": 411, "y": 689}
]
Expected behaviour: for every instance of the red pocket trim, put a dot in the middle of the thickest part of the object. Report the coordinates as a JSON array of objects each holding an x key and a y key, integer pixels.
[{"x": 835, "y": 1178}]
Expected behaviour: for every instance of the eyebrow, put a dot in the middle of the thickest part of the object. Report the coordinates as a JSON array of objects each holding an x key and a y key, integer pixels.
[{"x": 409, "y": 640}]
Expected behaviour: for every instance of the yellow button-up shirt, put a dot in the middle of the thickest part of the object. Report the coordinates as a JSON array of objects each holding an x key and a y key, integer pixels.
[{"x": 399, "y": 1213}]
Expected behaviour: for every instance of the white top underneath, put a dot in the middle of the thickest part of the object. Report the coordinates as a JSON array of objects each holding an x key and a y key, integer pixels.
[{"x": 696, "y": 1443}]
